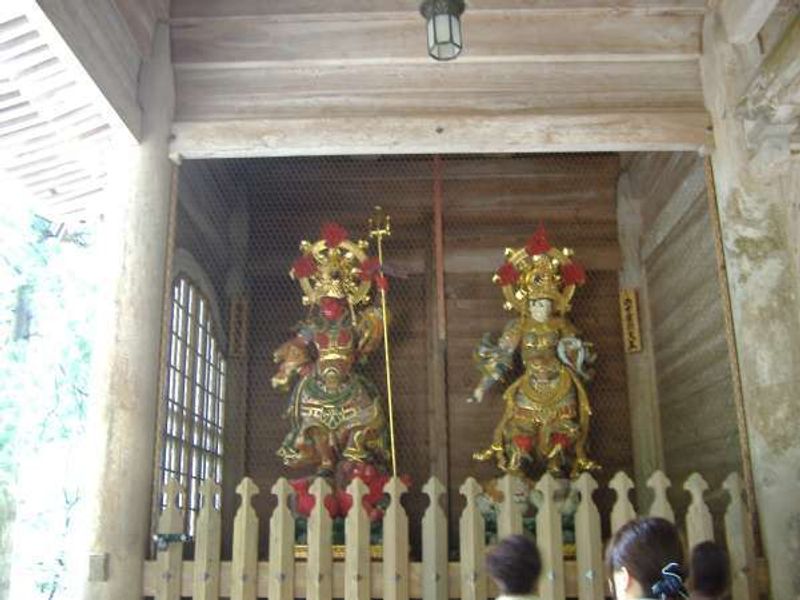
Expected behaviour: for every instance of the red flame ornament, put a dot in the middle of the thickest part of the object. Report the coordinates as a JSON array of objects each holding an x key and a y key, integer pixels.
[
  {"x": 304, "y": 267},
  {"x": 333, "y": 234},
  {"x": 573, "y": 273},
  {"x": 507, "y": 274},
  {"x": 538, "y": 244}
]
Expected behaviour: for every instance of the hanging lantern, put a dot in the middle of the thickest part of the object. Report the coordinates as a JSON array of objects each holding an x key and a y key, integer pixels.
[{"x": 444, "y": 27}]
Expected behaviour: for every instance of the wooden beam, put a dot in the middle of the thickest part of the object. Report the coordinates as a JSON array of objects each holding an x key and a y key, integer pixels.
[
  {"x": 480, "y": 89},
  {"x": 596, "y": 132},
  {"x": 743, "y": 19},
  {"x": 248, "y": 8},
  {"x": 391, "y": 37}
]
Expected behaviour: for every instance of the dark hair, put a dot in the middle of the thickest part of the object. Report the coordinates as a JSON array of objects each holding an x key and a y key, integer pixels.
[
  {"x": 515, "y": 565},
  {"x": 651, "y": 551},
  {"x": 709, "y": 569}
]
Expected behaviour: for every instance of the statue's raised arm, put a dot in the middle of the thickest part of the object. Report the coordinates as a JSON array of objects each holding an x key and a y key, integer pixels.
[{"x": 495, "y": 360}]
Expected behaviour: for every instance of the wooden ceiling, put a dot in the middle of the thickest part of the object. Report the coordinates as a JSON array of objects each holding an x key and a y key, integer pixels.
[
  {"x": 552, "y": 72},
  {"x": 55, "y": 132}
]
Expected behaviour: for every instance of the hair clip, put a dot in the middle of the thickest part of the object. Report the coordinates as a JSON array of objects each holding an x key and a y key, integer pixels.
[{"x": 670, "y": 584}]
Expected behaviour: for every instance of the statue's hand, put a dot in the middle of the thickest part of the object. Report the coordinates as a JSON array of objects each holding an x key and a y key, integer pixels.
[{"x": 477, "y": 395}]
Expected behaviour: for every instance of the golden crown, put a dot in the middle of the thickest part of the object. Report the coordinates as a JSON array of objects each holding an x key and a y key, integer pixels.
[
  {"x": 334, "y": 267},
  {"x": 536, "y": 271}
]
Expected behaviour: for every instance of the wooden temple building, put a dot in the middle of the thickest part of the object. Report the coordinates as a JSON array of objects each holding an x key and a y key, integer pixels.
[{"x": 657, "y": 138}]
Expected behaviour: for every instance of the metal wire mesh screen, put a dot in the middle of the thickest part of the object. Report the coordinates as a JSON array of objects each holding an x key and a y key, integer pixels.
[{"x": 244, "y": 219}]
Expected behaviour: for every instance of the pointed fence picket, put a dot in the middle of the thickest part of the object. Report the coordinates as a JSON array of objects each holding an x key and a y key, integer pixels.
[
  {"x": 549, "y": 539},
  {"x": 244, "y": 566},
  {"x": 357, "y": 545},
  {"x": 659, "y": 483},
  {"x": 588, "y": 541},
  {"x": 434, "y": 544},
  {"x": 623, "y": 510},
  {"x": 207, "y": 543},
  {"x": 509, "y": 517},
  {"x": 281, "y": 545},
  {"x": 395, "y": 546},
  {"x": 699, "y": 524},
  {"x": 170, "y": 559},
  {"x": 360, "y": 577},
  {"x": 472, "y": 533},
  {"x": 319, "y": 570}
]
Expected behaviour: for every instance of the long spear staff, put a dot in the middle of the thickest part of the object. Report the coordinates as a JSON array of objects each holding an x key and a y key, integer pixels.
[{"x": 379, "y": 228}]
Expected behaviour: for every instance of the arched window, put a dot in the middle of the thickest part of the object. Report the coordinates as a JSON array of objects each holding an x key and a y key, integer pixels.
[{"x": 194, "y": 395}]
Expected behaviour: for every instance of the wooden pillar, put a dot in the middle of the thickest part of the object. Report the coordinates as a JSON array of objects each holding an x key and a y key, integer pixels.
[
  {"x": 437, "y": 338},
  {"x": 763, "y": 282},
  {"x": 237, "y": 294},
  {"x": 648, "y": 452},
  {"x": 126, "y": 370}
]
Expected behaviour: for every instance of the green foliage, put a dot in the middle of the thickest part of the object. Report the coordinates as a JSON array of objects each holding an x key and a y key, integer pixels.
[{"x": 44, "y": 372}]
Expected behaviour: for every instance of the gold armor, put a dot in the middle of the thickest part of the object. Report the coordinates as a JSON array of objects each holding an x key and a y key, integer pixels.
[{"x": 545, "y": 421}]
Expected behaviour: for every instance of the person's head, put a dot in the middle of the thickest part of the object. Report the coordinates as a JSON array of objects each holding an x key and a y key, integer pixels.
[
  {"x": 644, "y": 559},
  {"x": 514, "y": 565},
  {"x": 709, "y": 568}
]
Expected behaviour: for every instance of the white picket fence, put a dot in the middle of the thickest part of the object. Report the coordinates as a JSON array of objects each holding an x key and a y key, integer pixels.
[{"x": 358, "y": 577}]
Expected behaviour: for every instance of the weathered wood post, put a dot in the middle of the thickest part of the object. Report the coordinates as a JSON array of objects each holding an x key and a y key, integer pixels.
[
  {"x": 739, "y": 538},
  {"x": 126, "y": 370},
  {"x": 749, "y": 97}
]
